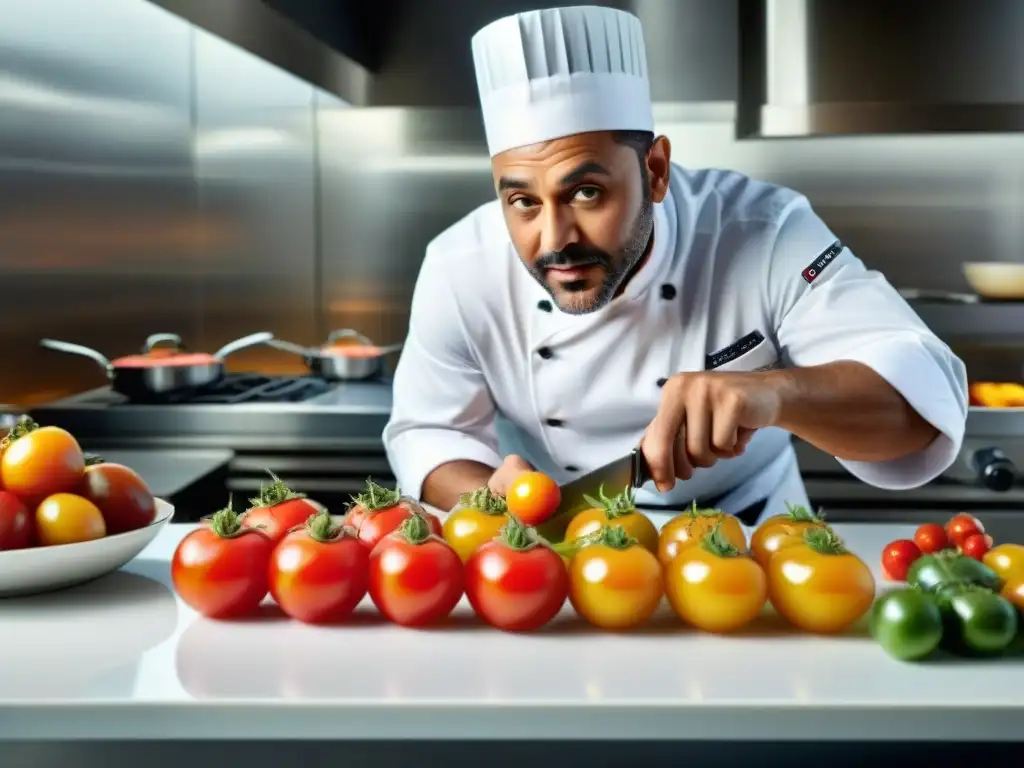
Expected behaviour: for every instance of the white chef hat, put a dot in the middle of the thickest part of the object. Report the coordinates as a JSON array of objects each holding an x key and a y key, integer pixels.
[{"x": 557, "y": 72}]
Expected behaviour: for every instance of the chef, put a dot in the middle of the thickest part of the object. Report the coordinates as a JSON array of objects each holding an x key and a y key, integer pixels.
[{"x": 609, "y": 298}]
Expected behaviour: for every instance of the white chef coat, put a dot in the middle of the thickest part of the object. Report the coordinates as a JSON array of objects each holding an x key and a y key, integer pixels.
[{"x": 490, "y": 367}]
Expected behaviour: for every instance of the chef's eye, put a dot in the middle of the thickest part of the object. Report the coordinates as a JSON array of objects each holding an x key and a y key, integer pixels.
[
  {"x": 586, "y": 194},
  {"x": 522, "y": 203}
]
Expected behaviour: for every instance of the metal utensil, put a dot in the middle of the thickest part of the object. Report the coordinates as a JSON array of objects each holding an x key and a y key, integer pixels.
[{"x": 331, "y": 363}]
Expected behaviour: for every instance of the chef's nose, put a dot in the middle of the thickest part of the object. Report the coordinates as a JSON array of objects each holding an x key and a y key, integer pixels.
[{"x": 559, "y": 230}]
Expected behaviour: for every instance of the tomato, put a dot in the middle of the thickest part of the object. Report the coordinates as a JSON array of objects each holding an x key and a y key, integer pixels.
[
  {"x": 475, "y": 520},
  {"x": 714, "y": 585},
  {"x": 907, "y": 624},
  {"x": 533, "y": 498},
  {"x": 1007, "y": 560},
  {"x": 897, "y": 557},
  {"x": 64, "y": 518},
  {"x": 220, "y": 569},
  {"x": 620, "y": 510},
  {"x": 961, "y": 527},
  {"x": 416, "y": 578},
  {"x": 931, "y": 537},
  {"x": 977, "y": 545},
  {"x": 820, "y": 586},
  {"x": 278, "y": 509},
  {"x": 16, "y": 528},
  {"x": 978, "y": 622},
  {"x": 319, "y": 573},
  {"x": 40, "y": 461},
  {"x": 614, "y": 583},
  {"x": 516, "y": 582},
  {"x": 778, "y": 530},
  {"x": 121, "y": 495},
  {"x": 691, "y": 526},
  {"x": 378, "y": 511},
  {"x": 1014, "y": 592}
]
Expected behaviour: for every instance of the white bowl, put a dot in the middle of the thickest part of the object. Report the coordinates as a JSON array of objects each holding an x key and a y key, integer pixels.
[
  {"x": 995, "y": 279},
  {"x": 44, "y": 569}
]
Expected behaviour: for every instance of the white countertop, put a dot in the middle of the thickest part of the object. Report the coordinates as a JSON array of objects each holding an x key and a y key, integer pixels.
[{"x": 123, "y": 657}]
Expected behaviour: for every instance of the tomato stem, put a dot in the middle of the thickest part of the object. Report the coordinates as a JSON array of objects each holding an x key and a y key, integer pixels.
[
  {"x": 321, "y": 527},
  {"x": 694, "y": 511},
  {"x": 227, "y": 523},
  {"x": 276, "y": 493},
  {"x": 715, "y": 542},
  {"x": 415, "y": 528},
  {"x": 485, "y": 501},
  {"x": 517, "y": 535},
  {"x": 377, "y": 497},
  {"x": 824, "y": 540},
  {"x": 614, "y": 507},
  {"x": 24, "y": 426},
  {"x": 615, "y": 536},
  {"x": 798, "y": 513},
  {"x": 92, "y": 459}
]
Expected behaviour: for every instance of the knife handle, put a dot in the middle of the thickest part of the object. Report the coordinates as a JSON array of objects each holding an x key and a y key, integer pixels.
[{"x": 641, "y": 470}]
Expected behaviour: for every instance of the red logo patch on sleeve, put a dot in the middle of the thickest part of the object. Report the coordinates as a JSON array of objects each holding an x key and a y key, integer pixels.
[{"x": 812, "y": 270}]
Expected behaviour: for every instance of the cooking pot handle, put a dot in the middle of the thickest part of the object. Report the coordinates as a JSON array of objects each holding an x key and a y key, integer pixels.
[
  {"x": 161, "y": 338},
  {"x": 77, "y": 349},
  {"x": 243, "y": 343},
  {"x": 348, "y": 333}
]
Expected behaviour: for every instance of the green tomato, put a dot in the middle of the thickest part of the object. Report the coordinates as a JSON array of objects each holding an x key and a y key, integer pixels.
[
  {"x": 907, "y": 624},
  {"x": 931, "y": 572},
  {"x": 978, "y": 622}
]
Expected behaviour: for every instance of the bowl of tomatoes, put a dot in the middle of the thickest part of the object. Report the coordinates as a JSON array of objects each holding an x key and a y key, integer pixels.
[{"x": 66, "y": 517}]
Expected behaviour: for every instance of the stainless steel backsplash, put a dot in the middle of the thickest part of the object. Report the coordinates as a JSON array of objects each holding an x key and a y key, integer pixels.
[{"x": 155, "y": 178}]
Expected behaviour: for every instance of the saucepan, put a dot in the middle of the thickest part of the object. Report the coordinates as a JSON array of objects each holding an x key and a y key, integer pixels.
[
  {"x": 348, "y": 355},
  {"x": 998, "y": 280},
  {"x": 164, "y": 365}
]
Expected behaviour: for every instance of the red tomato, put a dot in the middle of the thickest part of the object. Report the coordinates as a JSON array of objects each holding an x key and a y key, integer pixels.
[
  {"x": 40, "y": 461},
  {"x": 121, "y": 495},
  {"x": 378, "y": 511},
  {"x": 416, "y": 578},
  {"x": 961, "y": 527},
  {"x": 220, "y": 569},
  {"x": 897, "y": 557},
  {"x": 319, "y": 573},
  {"x": 15, "y": 523},
  {"x": 931, "y": 537},
  {"x": 977, "y": 545},
  {"x": 533, "y": 497},
  {"x": 278, "y": 509},
  {"x": 515, "y": 582}
]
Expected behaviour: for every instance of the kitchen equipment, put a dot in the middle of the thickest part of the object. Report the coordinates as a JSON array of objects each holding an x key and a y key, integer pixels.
[
  {"x": 996, "y": 279},
  {"x": 159, "y": 369},
  {"x": 348, "y": 355},
  {"x": 946, "y": 297},
  {"x": 44, "y": 569}
]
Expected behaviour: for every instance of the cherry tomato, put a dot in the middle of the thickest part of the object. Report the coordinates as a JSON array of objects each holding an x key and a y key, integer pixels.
[
  {"x": 416, "y": 578},
  {"x": 930, "y": 538},
  {"x": 65, "y": 518},
  {"x": 40, "y": 461},
  {"x": 220, "y": 569},
  {"x": 319, "y": 573},
  {"x": 820, "y": 586},
  {"x": 1014, "y": 592},
  {"x": 897, "y": 557},
  {"x": 378, "y": 511},
  {"x": 714, "y": 585},
  {"x": 516, "y": 582},
  {"x": 620, "y": 510},
  {"x": 961, "y": 527},
  {"x": 16, "y": 528},
  {"x": 614, "y": 583},
  {"x": 533, "y": 498},
  {"x": 278, "y": 509},
  {"x": 121, "y": 495},
  {"x": 1007, "y": 560},
  {"x": 476, "y": 519},
  {"x": 780, "y": 529},
  {"x": 977, "y": 545},
  {"x": 693, "y": 525}
]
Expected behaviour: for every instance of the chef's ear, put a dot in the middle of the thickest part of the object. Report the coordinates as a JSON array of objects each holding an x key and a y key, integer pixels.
[{"x": 659, "y": 164}]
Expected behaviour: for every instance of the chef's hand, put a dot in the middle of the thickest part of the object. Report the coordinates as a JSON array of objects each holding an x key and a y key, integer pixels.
[
  {"x": 704, "y": 417},
  {"x": 505, "y": 475}
]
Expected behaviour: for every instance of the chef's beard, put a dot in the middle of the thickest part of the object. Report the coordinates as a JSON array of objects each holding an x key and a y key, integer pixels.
[{"x": 576, "y": 298}]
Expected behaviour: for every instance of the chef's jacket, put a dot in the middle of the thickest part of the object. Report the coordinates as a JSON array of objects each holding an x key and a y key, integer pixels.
[{"x": 742, "y": 276}]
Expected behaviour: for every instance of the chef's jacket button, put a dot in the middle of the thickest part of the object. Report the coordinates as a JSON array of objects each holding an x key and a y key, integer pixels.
[
  {"x": 662, "y": 382},
  {"x": 572, "y": 468},
  {"x": 668, "y": 291},
  {"x": 544, "y": 305},
  {"x": 546, "y": 353},
  {"x": 555, "y": 422}
]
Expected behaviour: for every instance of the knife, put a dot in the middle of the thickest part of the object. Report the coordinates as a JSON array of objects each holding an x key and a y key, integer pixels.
[{"x": 630, "y": 471}]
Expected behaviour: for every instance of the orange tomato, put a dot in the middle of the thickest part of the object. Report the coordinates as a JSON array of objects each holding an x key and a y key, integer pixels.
[
  {"x": 476, "y": 519},
  {"x": 40, "y": 461},
  {"x": 1007, "y": 560},
  {"x": 781, "y": 530},
  {"x": 620, "y": 510},
  {"x": 614, "y": 583},
  {"x": 714, "y": 585},
  {"x": 1014, "y": 592},
  {"x": 819, "y": 586},
  {"x": 64, "y": 518},
  {"x": 693, "y": 525},
  {"x": 533, "y": 498}
]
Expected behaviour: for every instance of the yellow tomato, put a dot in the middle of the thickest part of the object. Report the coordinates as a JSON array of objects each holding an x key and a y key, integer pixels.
[
  {"x": 618, "y": 510},
  {"x": 475, "y": 520},
  {"x": 614, "y": 583},
  {"x": 693, "y": 525},
  {"x": 781, "y": 530},
  {"x": 1014, "y": 592},
  {"x": 65, "y": 518},
  {"x": 715, "y": 586},
  {"x": 1007, "y": 560},
  {"x": 819, "y": 586}
]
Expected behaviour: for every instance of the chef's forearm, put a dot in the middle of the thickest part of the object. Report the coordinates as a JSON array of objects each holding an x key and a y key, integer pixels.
[
  {"x": 850, "y": 412},
  {"x": 444, "y": 485}
]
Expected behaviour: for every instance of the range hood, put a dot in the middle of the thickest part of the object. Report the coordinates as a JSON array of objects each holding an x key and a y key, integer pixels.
[{"x": 832, "y": 67}]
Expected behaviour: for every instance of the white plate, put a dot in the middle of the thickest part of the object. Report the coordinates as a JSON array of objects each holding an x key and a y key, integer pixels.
[{"x": 44, "y": 569}]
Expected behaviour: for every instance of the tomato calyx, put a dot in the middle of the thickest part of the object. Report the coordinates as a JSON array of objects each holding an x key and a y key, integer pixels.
[
  {"x": 377, "y": 497},
  {"x": 615, "y": 506},
  {"x": 415, "y": 529},
  {"x": 485, "y": 501},
  {"x": 715, "y": 542},
  {"x": 227, "y": 523},
  {"x": 613, "y": 536},
  {"x": 92, "y": 459},
  {"x": 797, "y": 513},
  {"x": 275, "y": 493},
  {"x": 24, "y": 426},
  {"x": 321, "y": 527},
  {"x": 695, "y": 512},
  {"x": 824, "y": 541},
  {"x": 519, "y": 536}
]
